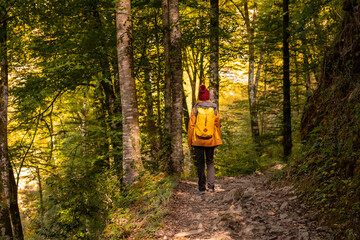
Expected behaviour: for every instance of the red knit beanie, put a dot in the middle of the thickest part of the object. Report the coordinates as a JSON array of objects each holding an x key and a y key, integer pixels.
[{"x": 203, "y": 93}]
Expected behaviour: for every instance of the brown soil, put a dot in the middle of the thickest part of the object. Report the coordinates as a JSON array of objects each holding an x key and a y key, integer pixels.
[{"x": 245, "y": 207}]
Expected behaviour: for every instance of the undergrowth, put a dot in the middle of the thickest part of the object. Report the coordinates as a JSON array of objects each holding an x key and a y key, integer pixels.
[
  {"x": 137, "y": 213},
  {"x": 326, "y": 187},
  {"x": 238, "y": 154}
]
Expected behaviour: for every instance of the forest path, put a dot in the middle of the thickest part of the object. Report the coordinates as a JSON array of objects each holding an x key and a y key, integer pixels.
[{"x": 244, "y": 207}]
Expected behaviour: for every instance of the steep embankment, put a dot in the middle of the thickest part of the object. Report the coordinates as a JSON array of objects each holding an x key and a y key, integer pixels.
[
  {"x": 246, "y": 207},
  {"x": 330, "y": 168}
]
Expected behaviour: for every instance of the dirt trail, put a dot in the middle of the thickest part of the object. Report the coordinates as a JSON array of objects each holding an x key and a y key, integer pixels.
[{"x": 245, "y": 207}]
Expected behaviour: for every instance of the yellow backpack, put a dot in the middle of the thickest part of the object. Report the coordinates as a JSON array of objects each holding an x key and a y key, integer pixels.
[{"x": 205, "y": 122}]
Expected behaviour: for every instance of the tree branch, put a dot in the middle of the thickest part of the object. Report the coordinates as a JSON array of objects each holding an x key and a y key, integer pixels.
[{"x": 237, "y": 7}]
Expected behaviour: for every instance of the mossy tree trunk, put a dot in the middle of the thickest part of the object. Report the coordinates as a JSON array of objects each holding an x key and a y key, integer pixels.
[
  {"x": 132, "y": 163},
  {"x": 176, "y": 158}
]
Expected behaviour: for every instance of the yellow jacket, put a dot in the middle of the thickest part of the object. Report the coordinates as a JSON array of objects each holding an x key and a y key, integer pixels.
[{"x": 193, "y": 140}]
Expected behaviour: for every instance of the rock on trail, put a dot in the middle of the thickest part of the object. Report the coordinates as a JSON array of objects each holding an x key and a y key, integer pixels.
[{"x": 245, "y": 207}]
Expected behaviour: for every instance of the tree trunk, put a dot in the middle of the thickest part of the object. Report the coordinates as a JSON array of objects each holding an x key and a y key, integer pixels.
[
  {"x": 150, "y": 120},
  {"x": 306, "y": 68},
  {"x": 252, "y": 86},
  {"x": 192, "y": 75},
  {"x": 297, "y": 90},
  {"x": 214, "y": 51},
  {"x": 132, "y": 163},
  {"x": 186, "y": 113},
  {"x": 5, "y": 225},
  {"x": 287, "y": 138},
  {"x": 177, "y": 89},
  {"x": 257, "y": 141},
  {"x": 166, "y": 27},
  {"x": 158, "y": 77},
  {"x": 201, "y": 68},
  {"x": 41, "y": 198},
  {"x": 262, "y": 116},
  {"x": 109, "y": 92},
  {"x": 14, "y": 207}
]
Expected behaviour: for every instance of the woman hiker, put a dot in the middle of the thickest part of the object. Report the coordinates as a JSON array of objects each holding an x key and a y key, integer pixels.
[{"x": 204, "y": 135}]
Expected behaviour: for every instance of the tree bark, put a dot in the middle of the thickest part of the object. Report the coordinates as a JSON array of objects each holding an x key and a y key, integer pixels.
[
  {"x": 262, "y": 116},
  {"x": 149, "y": 101},
  {"x": 192, "y": 73},
  {"x": 177, "y": 89},
  {"x": 202, "y": 68},
  {"x": 41, "y": 198},
  {"x": 166, "y": 27},
  {"x": 287, "y": 138},
  {"x": 214, "y": 51},
  {"x": 297, "y": 78},
  {"x": 186, "y": 113},
  {"x": 132, "y": 163},
  {"x": 252, "y": 85},
  {"x": 5, "y": 224},
  {"x": 14, "y": 207},
  {"x": 158, "y": 77}
]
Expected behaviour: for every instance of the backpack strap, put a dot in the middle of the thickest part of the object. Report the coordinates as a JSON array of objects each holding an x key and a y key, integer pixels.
[{"x": 205, "y": 105}]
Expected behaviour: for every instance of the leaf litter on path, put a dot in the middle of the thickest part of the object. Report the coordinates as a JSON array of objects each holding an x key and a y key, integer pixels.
[{"x": 245, "y": 207}]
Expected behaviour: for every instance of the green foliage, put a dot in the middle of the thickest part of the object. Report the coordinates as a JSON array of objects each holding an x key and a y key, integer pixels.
[
  {"x": 325, "y": 186},
  {"x": 239, "y": 154},
  {"x": 138, "y": 212},
  {"x": 328, "y": 170},
  {"x": 65, "y": 139}
]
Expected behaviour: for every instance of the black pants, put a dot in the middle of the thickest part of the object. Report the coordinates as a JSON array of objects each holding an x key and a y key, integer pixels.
[{"x": 200, "y": 154}]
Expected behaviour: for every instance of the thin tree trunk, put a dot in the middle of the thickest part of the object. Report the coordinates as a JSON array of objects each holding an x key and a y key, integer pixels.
[
  {"x": 252, "y": 86},
  {"x": 306, "y": 68},
  {"x": 177, "y": 89},
  {"x": 195, "y": 61},
  {"x": 83, "y": 124},
  {"x": 132, "y": 163},
  {"x": 202, "y": 69},
  {"x": 287, "y": 138},
  {"x": 188, "y": 71},
  {"x": 5, "y": 224},
  {"x": 261, "y": 60},
  {"x": 262, "y": 118},
  {"x": 214, "y": 51},
  {"x": 108, "y": 89},
  {"x": 14, "y": 207},
  {"x": 192, "y": 76},
  {"x": 150, "y": 120},
  {"x": 52, "y": 139},
  {"x": 166, "y": 27},
  {"x": 297, "y": 77},
  {"x": 186, "y": 112},
  {"x": 257, "y": 79},
  {"x": 158, "y": 77},
  {"x": 41, "y": 197}
]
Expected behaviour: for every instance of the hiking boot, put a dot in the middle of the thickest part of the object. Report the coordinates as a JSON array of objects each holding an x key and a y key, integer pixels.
[
  {"x": 210, "y": 190},
  {"x": 200, "y": 192}
]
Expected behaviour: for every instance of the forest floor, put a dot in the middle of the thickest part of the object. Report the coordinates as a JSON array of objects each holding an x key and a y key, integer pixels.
[{"x": 245, "y": 207}]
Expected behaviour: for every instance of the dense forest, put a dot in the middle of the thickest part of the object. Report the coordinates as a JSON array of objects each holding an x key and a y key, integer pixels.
[{"x": 95, "y": 98}]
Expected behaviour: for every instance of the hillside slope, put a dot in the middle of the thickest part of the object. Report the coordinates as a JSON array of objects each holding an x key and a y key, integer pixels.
[{"x": 330, "y": 128}]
